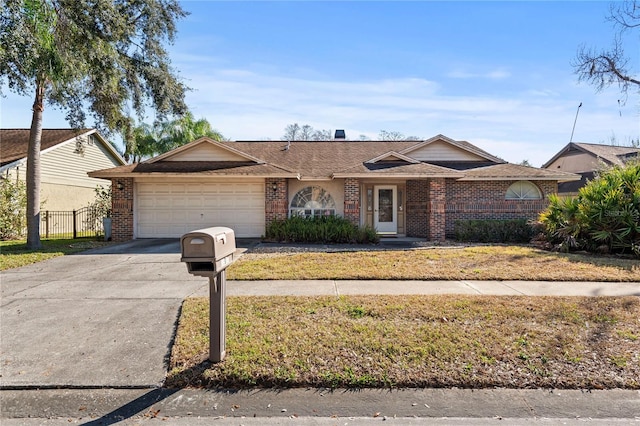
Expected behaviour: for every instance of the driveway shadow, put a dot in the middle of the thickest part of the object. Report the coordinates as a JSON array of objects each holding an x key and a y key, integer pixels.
[{"x": 135, "y": 407}]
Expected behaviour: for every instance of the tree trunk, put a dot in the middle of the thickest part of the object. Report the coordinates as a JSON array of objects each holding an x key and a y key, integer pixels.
[{"x": 33, "y": 170}]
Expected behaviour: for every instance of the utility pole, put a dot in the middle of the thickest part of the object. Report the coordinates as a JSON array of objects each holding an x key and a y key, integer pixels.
[{"x": 574, "y": 123}]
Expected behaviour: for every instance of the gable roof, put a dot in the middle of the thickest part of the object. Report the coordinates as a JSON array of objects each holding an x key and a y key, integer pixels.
[
  {"x": 392, "y": 156},
  {"x": 464, "y": 145},
  {"x": 612, "y": 155},
  {"x": 398, "y": 169},
  {"x": 201, "y": 141},
  {"x": 14, "y": 143},
  {"x": 323, "y": 160}
]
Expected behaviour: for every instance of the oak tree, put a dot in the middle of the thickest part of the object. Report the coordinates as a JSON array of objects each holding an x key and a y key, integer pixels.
[
  {"x": 107, "y": 58},
  {"x": 605, "y": 67}
]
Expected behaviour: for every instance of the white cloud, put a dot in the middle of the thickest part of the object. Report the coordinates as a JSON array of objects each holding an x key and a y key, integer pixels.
[
  {"x": 531, "y": 123},
  {"x": 496, "y": 74}
]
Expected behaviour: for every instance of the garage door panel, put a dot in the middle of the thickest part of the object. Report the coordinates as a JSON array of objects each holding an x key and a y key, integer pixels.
[
  {"x": 190, "y": 217},
  {"x": 191, "y": 201},
  {"x": 169, "y": 209}
]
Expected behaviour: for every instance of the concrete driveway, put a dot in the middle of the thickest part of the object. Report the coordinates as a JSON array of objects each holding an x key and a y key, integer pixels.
[
  {"x": 106, "y": 318},
  {"x": 103, "y": 318}
]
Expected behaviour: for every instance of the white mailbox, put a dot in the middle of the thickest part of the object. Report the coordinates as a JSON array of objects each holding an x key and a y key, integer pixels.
[{"x": 208, "y": 251}]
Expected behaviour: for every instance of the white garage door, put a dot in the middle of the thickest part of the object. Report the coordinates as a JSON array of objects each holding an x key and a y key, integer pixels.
[{"x": 171, "y": 209}]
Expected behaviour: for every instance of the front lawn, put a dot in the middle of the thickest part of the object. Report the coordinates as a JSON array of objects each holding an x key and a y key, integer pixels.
[
  {"x": 14, "y": 254},
  {"x": 414, "y": 341},
  {"x": 446, "y": 263}
]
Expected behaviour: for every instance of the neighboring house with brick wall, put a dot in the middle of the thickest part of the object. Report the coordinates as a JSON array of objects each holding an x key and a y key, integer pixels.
[
  {"x": 410, "y": 188},
  {"x": 66, "y": 156},
  {"x": 586, "y": 159}
]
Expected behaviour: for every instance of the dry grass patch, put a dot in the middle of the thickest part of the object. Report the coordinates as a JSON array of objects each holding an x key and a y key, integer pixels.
[
  {"x": 14, "y": 254},
  {"x": 414, "y": 341},
  {"x": 471, "y": 263}
]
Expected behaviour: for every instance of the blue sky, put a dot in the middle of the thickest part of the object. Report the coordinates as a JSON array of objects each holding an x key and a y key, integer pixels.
[{"x": 497, "y": 74}]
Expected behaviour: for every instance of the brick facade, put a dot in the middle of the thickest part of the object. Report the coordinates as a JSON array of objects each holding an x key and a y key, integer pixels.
[
  {"x": 426, "y": 201},
  {"x": 276, "y": 200},
  {"x": 485, "y": 200},
  {"x": 432, "y": 205},
  {"x": 416, "y": 208},
  {"x": 436, "y": 209},
  {"x": 352, "y": 200},
  {"x": 122, "y": 209}
]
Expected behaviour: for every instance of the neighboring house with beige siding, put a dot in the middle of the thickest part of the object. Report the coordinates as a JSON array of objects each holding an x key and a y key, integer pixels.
[
  {"x": 586, "y": 159},
  {"x": 66, "y": 156}
]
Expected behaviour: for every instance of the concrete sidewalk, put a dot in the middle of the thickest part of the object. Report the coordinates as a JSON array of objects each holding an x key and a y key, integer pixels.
[
  {"x": 94, "y": 330},
  {"x": 394, "y": 287}
]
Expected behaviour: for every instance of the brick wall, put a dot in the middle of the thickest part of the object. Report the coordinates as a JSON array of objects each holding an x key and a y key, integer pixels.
[
  {"x": 352, "y": 200},
  {"x": 416, "y": 208},
  {"x": 436, "y": 209},
  {"x": 485, "y": 200},
  {"x": 433, "y": 205},
  {"x": 122, "y": 209},
  {"x": 276, "y": 201}
]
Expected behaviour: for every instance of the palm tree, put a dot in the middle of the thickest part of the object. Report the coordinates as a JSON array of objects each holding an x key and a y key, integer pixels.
[
  {"x": 185, "y": 129},
  {"x": 143, "y": 142},
  {"x": 148, "y": 140}
]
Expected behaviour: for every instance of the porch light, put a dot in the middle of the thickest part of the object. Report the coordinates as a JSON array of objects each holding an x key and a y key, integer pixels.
[
  {"x": 120, "y": 186},
  {"x": 274, "y": 187}
]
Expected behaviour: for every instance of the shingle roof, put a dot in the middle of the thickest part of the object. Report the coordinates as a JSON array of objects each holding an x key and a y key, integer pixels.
[
  {"x": 14, "y": 142},
  {"x": 613, "y": 155},
  {"x": 205, "y": 168},
  {"x": 516, "y": 172},
  {"x": 330, "y": 159},
  {"x": 398, "y": 169},
  {"x": 467, "y": 146},
  {"x": 319, "y": 159}
]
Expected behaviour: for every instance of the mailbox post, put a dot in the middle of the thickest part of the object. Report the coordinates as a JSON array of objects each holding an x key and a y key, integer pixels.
[{"x": 207, "y": 253}]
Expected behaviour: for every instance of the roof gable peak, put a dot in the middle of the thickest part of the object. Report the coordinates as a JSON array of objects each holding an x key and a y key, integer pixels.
[
  {"x": 392, "y": 156},
  {"x": 470, "y": 150},
  {"x": 181, "y": 153}
]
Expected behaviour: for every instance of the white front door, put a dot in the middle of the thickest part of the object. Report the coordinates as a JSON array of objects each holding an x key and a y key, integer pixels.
[{"x": 385, "y": 216}]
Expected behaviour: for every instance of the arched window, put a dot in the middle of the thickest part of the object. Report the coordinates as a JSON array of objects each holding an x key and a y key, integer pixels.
[
  {"x": 312, "y": 201},
  {"x": 523, "y": 190}
]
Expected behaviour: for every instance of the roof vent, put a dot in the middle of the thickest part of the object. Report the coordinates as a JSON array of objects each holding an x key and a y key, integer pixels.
[{"x": 340, "y": 134}]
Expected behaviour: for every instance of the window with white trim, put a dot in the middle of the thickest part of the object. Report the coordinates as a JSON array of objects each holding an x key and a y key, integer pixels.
[
  {"x": 523, "y": 190},
  {"x": 312, "y": 201}
]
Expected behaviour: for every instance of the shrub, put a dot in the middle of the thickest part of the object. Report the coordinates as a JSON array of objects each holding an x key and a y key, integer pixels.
[
  {"x": 13, "y": 209},
  {"x": 102, "y": 202},
  {"x": 494, "y": 231},
  {"x": 604, "y": 217},
  {"x": 322, "y": 229},
  {"x": 559, "y": 222},
  {"x": 99, "y": 208}
]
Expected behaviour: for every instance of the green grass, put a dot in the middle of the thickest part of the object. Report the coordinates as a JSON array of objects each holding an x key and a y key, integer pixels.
[
  {"x": 470, "y": 263},
  {"x": 14, "y": 254},
  {"x": 414, "y": 341}
]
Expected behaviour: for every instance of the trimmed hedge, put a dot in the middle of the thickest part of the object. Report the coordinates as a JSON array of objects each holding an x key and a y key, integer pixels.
[
  {"x": 494, "y": 231},
  {"x": 323, "y": 229}
]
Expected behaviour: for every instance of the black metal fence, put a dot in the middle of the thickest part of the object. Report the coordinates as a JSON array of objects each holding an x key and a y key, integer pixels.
[{"x": 86, "y": 222}]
